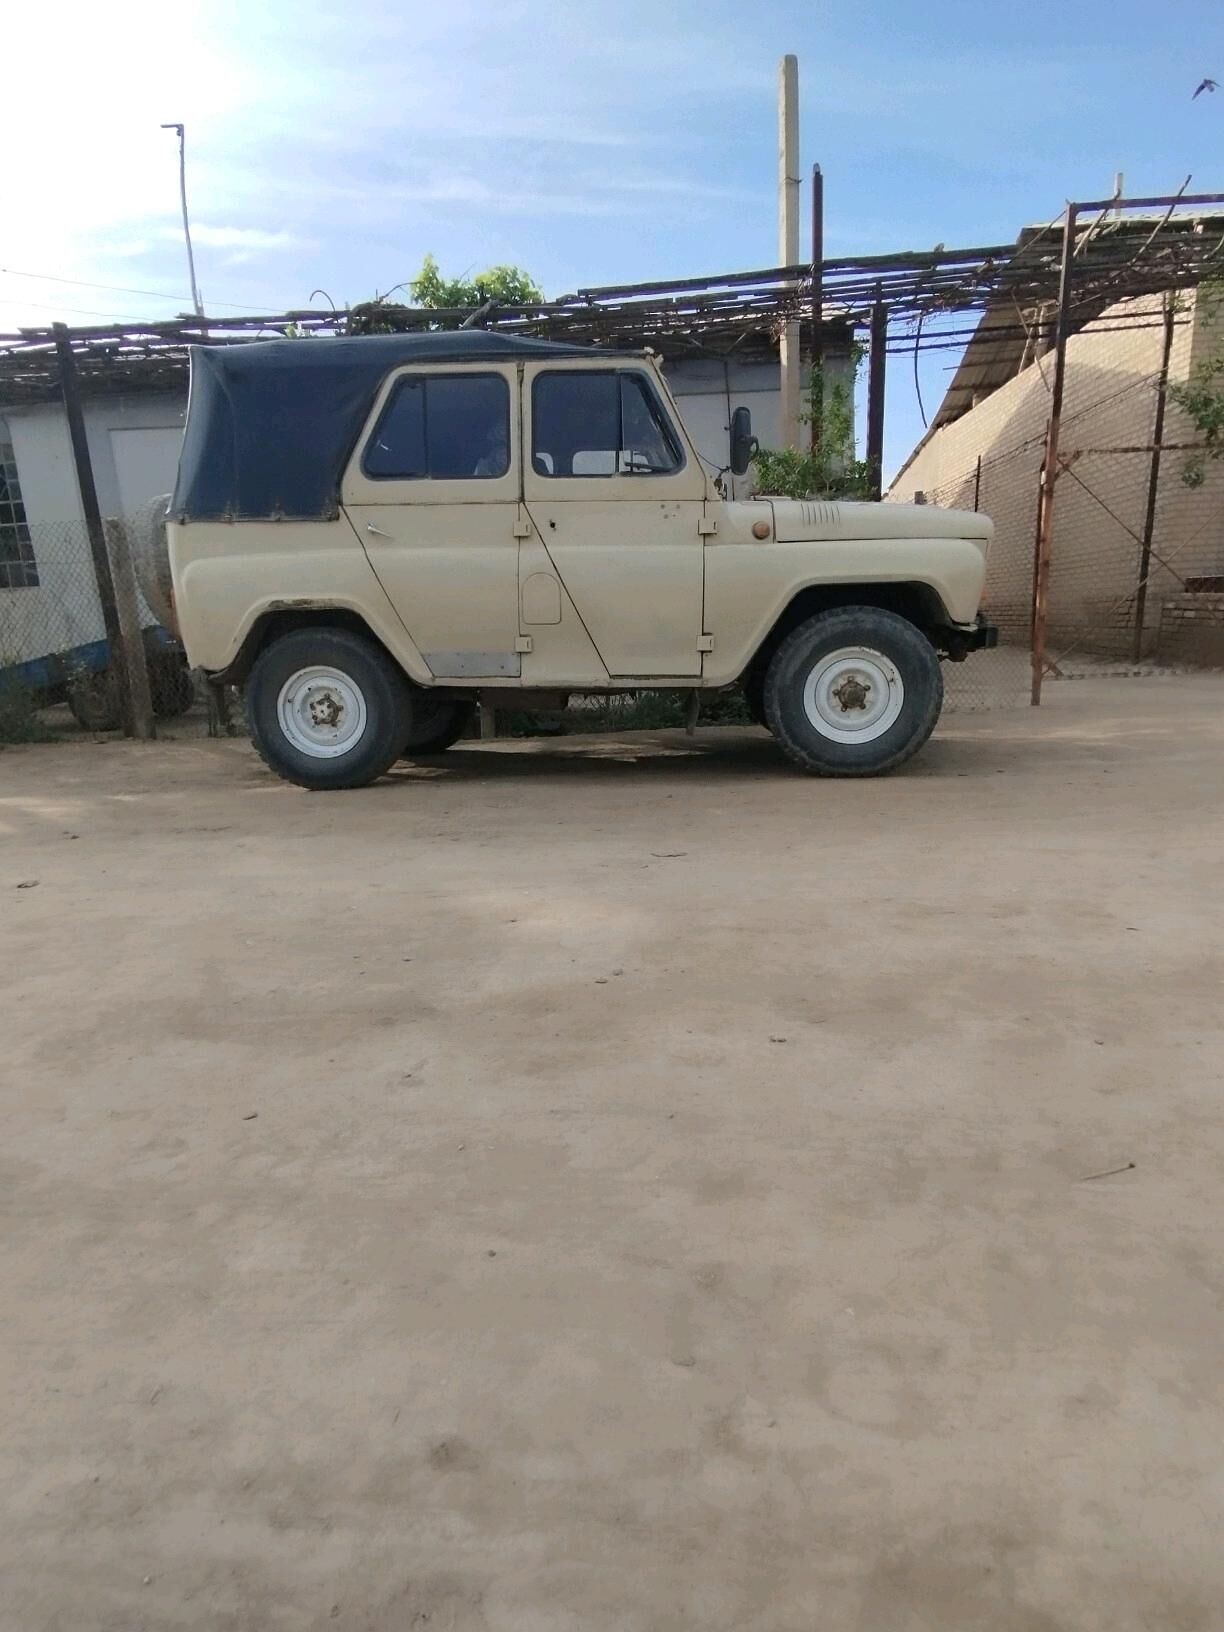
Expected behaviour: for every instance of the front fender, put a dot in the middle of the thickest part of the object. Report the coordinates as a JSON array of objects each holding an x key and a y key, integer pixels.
[{"x": 749, "y": 586}]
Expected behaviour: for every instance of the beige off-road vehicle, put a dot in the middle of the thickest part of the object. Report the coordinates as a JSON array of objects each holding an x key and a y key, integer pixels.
[{"x": 374, "y": 535}]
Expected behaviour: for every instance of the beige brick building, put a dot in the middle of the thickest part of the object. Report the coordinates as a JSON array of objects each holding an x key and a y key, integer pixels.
[{"x": 995, "y": 412}]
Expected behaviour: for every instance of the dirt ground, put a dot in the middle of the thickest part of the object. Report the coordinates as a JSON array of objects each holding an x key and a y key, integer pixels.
[{"x": 619, "y": 1186}]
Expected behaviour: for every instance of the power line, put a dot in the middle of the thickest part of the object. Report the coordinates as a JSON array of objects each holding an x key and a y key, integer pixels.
[
  {"x": 85, "y": 311},
  {"x": 123, "y": 289}
]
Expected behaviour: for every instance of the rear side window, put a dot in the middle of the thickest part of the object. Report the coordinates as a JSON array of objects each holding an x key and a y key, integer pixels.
[
  {"x": 444, "y": 427},
  {"x": 600, "y": 424}
]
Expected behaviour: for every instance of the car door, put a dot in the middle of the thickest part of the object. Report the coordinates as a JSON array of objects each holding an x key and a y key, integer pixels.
[
  {"x": 617, "y": 497},
  {"x": 433, "y": 492}
]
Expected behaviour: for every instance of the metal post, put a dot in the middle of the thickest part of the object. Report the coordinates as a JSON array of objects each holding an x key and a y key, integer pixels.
[
  {"x": 132, "y": 652},
  {"x": 182, "y": 147},
  {"x": 1049, "y": 467},
  {"x": 788, "y": 238},
  {"x": 70, "y": 392},
  {"x": 875, "y": 394},
  {"x": 1149, "y": 515},
  {"x": 816, "y": 365},
  {"x": 977, "y": 484}
]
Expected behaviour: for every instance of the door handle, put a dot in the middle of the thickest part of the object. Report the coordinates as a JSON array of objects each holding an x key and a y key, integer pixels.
[{"x": 377, "y": 531}]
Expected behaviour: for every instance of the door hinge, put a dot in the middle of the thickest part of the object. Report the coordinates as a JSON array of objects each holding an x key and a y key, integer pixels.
[
  {"x": 521, "y": 529},
  {"x": 522, "y": 643},
  {"x": 706, "y": 525},
  {"x": 705, "y": 643}
]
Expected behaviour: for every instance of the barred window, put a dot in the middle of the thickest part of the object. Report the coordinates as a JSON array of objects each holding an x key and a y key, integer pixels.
[{"x": 18, "y": 569}]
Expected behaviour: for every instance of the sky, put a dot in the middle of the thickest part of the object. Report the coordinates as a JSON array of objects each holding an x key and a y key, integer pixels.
[{"x": 330, "y": 147}]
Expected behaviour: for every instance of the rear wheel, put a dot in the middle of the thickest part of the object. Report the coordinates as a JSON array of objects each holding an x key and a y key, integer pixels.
[
  {"x": 327, "y": 709},
  {"x": 853, "y": 692},
  {"x": 437, "y": 724}
]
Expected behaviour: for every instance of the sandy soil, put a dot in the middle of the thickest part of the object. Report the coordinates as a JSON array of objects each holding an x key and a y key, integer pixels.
[{"x": 617, "y": 1187}]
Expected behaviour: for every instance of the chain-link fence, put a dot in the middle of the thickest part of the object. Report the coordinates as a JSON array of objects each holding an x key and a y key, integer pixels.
[
  {"x": 1136, "y": 564},
  {"x": 1004, "y": 487},
  {"x": 1131, "y": 528},
  {"x": 59, "y": 670},
  {"x": 1137, "y": 567}
]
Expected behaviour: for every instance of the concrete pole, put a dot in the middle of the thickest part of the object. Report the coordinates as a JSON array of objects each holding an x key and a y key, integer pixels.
[{"x": 788, "y": 238}]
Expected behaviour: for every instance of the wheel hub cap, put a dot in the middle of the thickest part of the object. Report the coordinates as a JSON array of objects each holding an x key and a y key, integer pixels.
[
  {"x": 321, "y": 712},
  {"x": 853, "y": 695}
]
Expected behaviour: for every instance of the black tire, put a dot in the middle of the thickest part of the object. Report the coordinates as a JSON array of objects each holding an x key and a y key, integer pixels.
[
  {"x": 437, "y": 724},
  {"x": 172, "y": 687},
  {"x": 903, "y": 649},
  {"x": 367, "y": 672}
]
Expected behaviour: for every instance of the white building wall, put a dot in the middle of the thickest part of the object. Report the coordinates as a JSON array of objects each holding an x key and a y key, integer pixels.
[{"x": 133, "y": 445}]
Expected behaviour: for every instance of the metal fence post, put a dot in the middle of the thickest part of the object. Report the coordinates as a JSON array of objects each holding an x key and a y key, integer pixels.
[
  {"x": 129, "y": 649},
  {"x": 876, "y": 365},
  {"x": 816, "y": 360},
  {"x": 1149, "y": 515},
  {"x": 1049, "y": 467}
]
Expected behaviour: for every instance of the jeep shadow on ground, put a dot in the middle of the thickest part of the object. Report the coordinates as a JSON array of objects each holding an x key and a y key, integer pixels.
[{"x": 724, "y": 753}]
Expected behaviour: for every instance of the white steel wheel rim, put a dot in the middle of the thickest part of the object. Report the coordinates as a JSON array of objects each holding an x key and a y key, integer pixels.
[
  {"x": 854, "y": 694},
  {"x": 321, "y": 712}
]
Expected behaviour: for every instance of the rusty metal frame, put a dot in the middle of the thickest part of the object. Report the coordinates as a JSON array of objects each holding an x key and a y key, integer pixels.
[
  {"x": 730, "y": 313},
  {"x": 1051, "y": 465}
]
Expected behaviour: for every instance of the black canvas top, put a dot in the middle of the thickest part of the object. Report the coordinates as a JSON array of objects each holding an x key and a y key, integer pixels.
[{"x": 271, "y": 425}]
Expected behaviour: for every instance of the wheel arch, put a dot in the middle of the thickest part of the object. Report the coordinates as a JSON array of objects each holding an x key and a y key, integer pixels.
[
  {"x": 919, "y": 603},
  {"x": 275, "y": 621}
]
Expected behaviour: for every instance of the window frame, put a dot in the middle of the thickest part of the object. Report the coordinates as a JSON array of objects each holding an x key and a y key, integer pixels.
[
  {"x": 402, "y": 380},
  {"x": 18, "y": 563},
  {"x": 656, "y": 406}
]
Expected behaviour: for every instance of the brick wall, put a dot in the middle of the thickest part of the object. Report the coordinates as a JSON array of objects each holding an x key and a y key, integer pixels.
[
  {"x": 1109, "y": 403},
  {"x": 1191, "y": 630}
]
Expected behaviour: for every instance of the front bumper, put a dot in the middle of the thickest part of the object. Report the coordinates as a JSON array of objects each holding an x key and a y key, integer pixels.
[{"x": 983, "y": 637}]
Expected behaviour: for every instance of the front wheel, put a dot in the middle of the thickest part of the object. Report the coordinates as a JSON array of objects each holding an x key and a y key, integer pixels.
[
  {"x": 853, "y": 692},
  {"x": 327, "y": 709}
]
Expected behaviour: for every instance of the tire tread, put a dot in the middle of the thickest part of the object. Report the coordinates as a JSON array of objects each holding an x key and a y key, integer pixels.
[{"x": 851, "y": 626}]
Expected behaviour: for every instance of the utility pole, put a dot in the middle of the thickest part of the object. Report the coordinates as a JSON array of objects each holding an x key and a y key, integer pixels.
[
  {"x": 788, "y": 238},
  {"x": 182, "y": 147}
]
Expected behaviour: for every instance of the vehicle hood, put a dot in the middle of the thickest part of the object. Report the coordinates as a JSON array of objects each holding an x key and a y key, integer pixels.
[{"x": 796, "y": 520}]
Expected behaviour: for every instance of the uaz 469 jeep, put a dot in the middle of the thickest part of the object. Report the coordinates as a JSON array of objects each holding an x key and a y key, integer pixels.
[{"x": 371, "y": 535}]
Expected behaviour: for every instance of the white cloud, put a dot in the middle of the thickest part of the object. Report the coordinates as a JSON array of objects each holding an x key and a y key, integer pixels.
[{"x": 245, "y": 239}]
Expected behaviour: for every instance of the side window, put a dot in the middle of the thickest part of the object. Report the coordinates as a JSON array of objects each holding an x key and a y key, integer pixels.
[
  {"x": 600, "y": 424},
  {"x": 18, "y": 569},
  {"x": 443, "y": 427}
]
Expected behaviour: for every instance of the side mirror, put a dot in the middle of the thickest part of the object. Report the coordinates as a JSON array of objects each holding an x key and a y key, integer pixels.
[{"x": 743, "y": 443}]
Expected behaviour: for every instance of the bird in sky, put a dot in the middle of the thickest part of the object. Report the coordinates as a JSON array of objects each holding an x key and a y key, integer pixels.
[{"x": 1206, "y": 85}]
